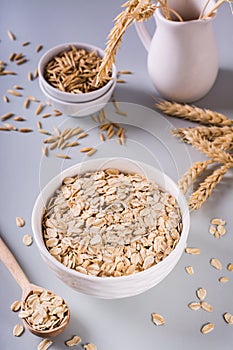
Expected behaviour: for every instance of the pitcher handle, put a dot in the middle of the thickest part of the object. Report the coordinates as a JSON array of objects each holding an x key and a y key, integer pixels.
[{"x": 143, "y": 34}]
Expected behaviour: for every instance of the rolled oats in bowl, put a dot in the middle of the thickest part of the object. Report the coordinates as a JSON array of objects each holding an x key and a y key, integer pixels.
[{"x": 109, "y": 223}]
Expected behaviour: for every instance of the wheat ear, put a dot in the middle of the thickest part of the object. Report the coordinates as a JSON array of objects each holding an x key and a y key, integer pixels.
[
  {"x": 193, "y": 113},
  {"x": 207, "y": 132},
  {"x": 224, "y": 142},
  {"x": 135, "y": 10},
  {"x": 210, "y": 150},
  {"x": 207, "y": 186},
  {"x": 191, "y": 175}
]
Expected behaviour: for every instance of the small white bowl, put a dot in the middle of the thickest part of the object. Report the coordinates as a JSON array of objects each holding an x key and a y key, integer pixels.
[
  {"x": 79, "y": 109},
  {"x": 66, "y": 96},
  {"x": 111, "y": 287}
]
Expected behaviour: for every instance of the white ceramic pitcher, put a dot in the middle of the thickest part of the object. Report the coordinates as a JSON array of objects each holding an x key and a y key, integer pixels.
[{"x": 182, "y": 56}]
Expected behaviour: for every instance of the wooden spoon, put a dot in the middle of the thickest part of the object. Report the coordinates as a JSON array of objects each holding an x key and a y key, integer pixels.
[{"x": 28, "y": 288}]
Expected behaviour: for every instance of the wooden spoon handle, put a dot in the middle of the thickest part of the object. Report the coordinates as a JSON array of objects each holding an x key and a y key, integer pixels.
[{"x": 11, "y": 263}]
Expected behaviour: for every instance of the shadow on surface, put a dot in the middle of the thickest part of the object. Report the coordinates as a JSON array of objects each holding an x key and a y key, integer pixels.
[
  {"x": 131, "y": 94},
  {"x": 221, "y": 95}
]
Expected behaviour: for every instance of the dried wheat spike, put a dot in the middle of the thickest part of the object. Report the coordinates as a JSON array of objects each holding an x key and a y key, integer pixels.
[
  {"x": 196, "y": 137},
  {"x": 193, "y": 113},
  {"x": 210, "y": 150},
  {"x": 207, "y": 186},
  {"x": 207, "y": 132},
  {"x": 224, "y": 142},
  {"x": 135, "y": 10},
  {"x": 191, "y": 175}
]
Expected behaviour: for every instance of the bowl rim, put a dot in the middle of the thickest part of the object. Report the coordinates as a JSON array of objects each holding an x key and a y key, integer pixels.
[
  {"x": 67, "y": 95},
  {"x": 83, "y": 103},
  {"x": 105, "y": 279}
]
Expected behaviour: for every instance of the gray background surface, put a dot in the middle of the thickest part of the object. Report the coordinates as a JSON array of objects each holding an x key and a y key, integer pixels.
[{"x": 111, "y": 324}]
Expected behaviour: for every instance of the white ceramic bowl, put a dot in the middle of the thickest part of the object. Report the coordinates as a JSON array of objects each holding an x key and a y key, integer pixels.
[
  {"x": 66, "y": 96},
  {"x": 111, "y": 287},
  {"x": 79, "y": 109}
]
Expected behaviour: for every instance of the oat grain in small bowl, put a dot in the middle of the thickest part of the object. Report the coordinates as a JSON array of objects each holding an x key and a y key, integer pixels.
[
  {"x": 74, "y": 71},
  {"x": 111, "y": 228},
  {"x": 68, "y": 72}
]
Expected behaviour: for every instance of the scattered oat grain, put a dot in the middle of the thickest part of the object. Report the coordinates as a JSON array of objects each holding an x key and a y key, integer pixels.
[
  {"x": 14, "y": 93},
  {"x": 194, "y": 306},
  {"x": 39, "y": 124},
  {"x": 206, "y": 306},
  {"x": 110, "y": 133},
  {"x": 230, "y": 267},
  {"x": 73, "y": 144},
  {"x": 12, "y": 56},
  {"x": 36, "y": 74},
  {"x": 18, "y": 330},
  {"x": 218, "y": 221},
  {"x": 6, "y": 99},
  {"x": 216, "y": 263},
  {"x": 82, "y": 135},
  {"x": 26, "y": 103},
  {"x": 212, "y": 230},
  {"x": 19, "y": 119},
  {"x": 223, "y": 279},
  {"x": 10, "y": 126},
  {"x": 20, "y": 221},
  {"x": 27, "y": 240},
  {"x": 201, "y": 293},
  {"x": 16, "y": 305},
  {"x": 228, "y": 318},
  {"x": 207, "y": 328},
  {"x": 34, "y": 99},
  {"x": 121, "y": 113},
  {"x": 4, "y": 128},
  {"x": 6, "y": 116},
  {"x": 157, "y": 319},
  {"x": 39, "y": 109},
  {"x": 30, "y": 76},
  {"x": 192, "y": 251},
  {"x": 44, "y": 344},
  {"x": 221, "y": 230},
  {"x": 22, "y": 61},
  {"x": 45, "y": 151},
  {"x": 75, "y": 340},
  {"x": 90, "y": 346},
  {"x": 189, "y": 270},
  {"x": 11, "y": 35},
  {"x": 39, "y": 48},
  {"x": 44, "y": 132},
  {"x": 57, "y": 113},
  {"x": 124, "y": 72},
  {"x": 91, "y": 152},
  {"x": 63, "y": 156},
  {"x": 25, "y": 130},
  {"x": 102, "y": 138},
  {"x": 46, "y": 115},
  {"x": 17, "y": 87},
  {"x": 18, "y": 56},
  {"x": 85, "y": 149},
  {"x": 26, "y": 43}
]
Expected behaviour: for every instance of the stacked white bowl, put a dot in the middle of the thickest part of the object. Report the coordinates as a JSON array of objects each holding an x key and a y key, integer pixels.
[{"x": 76, "y": 105}]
